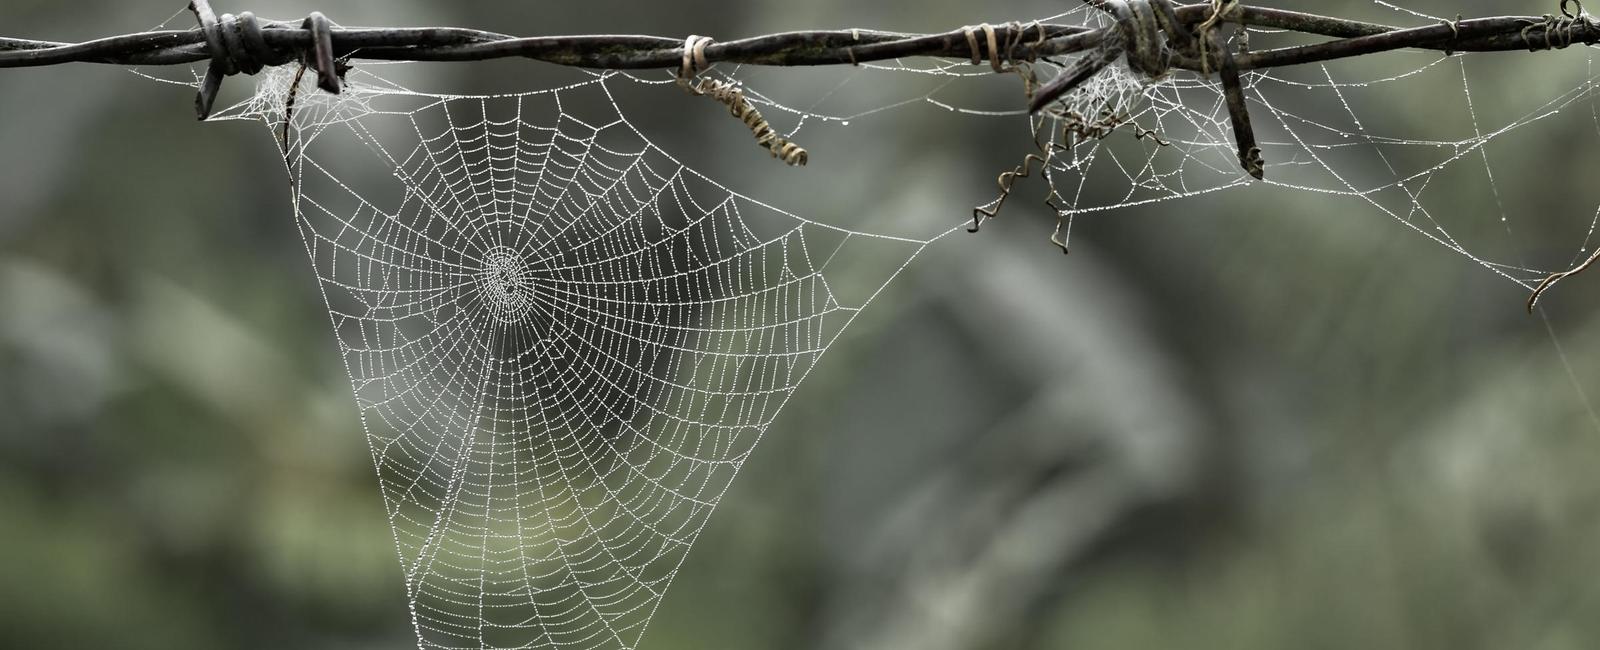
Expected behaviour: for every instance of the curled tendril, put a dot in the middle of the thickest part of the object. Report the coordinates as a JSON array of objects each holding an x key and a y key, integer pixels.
[
  {"x": 731, "y": 95},
  {"x": 1539, "y": 291},
  {"x": 1007, "y": 182},
  {"x": 1075, "y": 127}
]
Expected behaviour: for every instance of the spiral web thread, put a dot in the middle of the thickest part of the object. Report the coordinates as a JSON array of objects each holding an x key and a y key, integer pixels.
[{"x": 564, "y": 343}]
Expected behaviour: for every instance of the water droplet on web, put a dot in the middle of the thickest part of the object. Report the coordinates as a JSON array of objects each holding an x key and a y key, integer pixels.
[{"x": 844, "y": 123}]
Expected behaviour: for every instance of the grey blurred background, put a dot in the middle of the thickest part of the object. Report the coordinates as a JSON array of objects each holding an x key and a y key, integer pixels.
[{"x": 1257, "y": 419}]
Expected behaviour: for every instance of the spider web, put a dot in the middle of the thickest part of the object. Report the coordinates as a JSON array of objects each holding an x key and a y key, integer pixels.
[
  {"x": 1328, "y": 132},
  {"x": 564, "y": 343},
  {"x": 1321, "y": 132}
]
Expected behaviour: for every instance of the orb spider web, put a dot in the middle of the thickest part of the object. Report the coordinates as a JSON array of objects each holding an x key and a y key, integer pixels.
[{"x": 563, "y": 342}]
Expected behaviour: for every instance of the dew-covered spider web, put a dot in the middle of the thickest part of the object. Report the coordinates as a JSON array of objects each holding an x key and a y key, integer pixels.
[
  {"x": 1329, "y": 133},
  {"x": 564, "y": 343}
]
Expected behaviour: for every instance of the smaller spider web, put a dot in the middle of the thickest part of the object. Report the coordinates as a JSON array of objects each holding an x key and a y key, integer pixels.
[
  {"x": 1448, "y": 163},
  {"x": 563, "y": 343},
  {"x": 1331, "y": 132}
]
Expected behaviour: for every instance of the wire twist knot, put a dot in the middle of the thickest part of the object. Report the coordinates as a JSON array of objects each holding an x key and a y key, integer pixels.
[
  {"x": 236, "y": 46},
  {"x": 1003, "y": 58},
  {"x": 1560, "y": 32}
]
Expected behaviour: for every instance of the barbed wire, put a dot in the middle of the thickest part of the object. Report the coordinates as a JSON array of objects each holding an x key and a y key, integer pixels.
[
  {"x": 1153, "y": 36},
  {"x": 230, "y": 41}
]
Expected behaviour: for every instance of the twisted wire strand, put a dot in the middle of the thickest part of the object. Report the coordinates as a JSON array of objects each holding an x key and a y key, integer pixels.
[{"x": 271, "y": 40}]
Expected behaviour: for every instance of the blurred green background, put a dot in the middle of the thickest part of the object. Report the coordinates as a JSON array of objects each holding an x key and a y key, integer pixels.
[{"x": 1255, "y": 419}]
